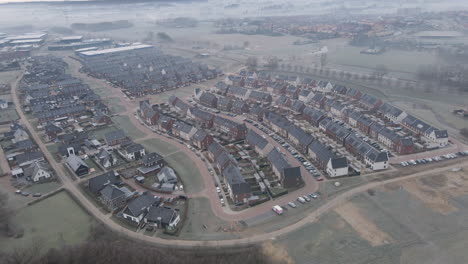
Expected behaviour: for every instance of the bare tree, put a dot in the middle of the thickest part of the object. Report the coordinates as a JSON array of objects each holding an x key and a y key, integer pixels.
[
  {"x": 251, "y": 63},
  {"x": 323, "y": 59}
]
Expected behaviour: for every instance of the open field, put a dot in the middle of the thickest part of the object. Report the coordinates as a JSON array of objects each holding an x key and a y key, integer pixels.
[
  {"x": 43, "y": 187},
  {"x": 8, "y": 115},
  {"x": 53, "y": 222},
  {"x": 199, "y": 214},
  {"x": 159, "y": 146},
  {"x": 115, "y": 105},
  {"x": 126, "y": 125},
  {"x": 411, "y": 228},
  {"x": 184, "y": 167}
]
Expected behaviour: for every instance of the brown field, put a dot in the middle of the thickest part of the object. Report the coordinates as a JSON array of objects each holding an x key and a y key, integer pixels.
[{"x": 366, "y": 229}]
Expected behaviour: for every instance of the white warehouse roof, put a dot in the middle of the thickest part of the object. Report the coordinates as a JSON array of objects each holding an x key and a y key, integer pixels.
[{"x": 114, "y": 50}]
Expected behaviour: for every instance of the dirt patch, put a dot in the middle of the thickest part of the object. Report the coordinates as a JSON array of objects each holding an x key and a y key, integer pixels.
[
  {"x": 391, "y": 187},
  {"x": 437, "y": 200},
  {"x": 366, "y": 229},
  {"x": 436, "y": 181},
  {"x": 277, "y": 253}
]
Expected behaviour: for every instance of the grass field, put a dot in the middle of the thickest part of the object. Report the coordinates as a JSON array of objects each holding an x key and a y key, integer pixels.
[
  {"x": 159, "y": 146},
  {"x": 53, "y": 222},
  {"x": 115, "y": 105},
  {"x": 410, "y": 214},
  {"x": 184, "y": 167},
  {"x": 126, "y": 125},
  {"x": 199, "y": 214},
  {"x": 8, "y": 115},
  {"x": 43, "y": 187}
]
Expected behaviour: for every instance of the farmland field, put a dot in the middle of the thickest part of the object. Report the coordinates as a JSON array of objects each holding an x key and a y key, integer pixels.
[{"x": 53, "y": 222}]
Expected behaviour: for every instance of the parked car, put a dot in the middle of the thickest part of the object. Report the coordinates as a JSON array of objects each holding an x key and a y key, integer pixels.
[
  {"x": 301, "y": 200},
  {"x": 37, "y": 195},
  {"x": 292, "y": 205}
]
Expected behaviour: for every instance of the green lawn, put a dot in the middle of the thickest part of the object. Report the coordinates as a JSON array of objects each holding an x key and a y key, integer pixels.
[
  {"x": 186, "y": 170},
  {"x": 43, "y": 187},
  {"x": 126, "y": 125},
  {"x": 159, "y": 146},
  {"x": 54, "y": 222},
  {"x": 115, "y": 105}
]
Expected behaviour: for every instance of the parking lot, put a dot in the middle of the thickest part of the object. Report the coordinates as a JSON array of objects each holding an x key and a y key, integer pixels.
[{"x": 434, "y": 159}]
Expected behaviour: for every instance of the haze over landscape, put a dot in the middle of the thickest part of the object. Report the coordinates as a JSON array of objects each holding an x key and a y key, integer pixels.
[{"x": 234, "y": 131}]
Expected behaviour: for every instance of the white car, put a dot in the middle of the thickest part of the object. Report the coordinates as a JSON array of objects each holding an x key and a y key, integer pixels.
[{"x": 218, "y": 190}]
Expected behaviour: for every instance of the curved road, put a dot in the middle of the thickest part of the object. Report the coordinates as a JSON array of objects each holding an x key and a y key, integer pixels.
[{"x": 73, "y": 189}]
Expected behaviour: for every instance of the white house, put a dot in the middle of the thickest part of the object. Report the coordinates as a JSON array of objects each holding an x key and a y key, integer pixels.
[
  {"x": 438, "y": 137},
  {"x": 376, "y": 160},
  {"x": 3, "y": 104},
  {"x": 137, "y": 208},
  {"x": 37, "y": 171},
  {"x": 337, "y": 167}
]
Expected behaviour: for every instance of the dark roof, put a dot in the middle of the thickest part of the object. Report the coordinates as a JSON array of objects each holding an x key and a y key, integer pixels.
[
  {"x": 255, "y": 139},
  {"x": 28, "y": 156},
  {"x": 209, "y": 98},
  {"x": 99, "y": 182},
  {"x": 152, "y": 157},
  {"x": 387, "y": 108},
  {"x": 235, "y": 179},
  {"x": 377, "y": 156},
  {"x": 111, "y": 192},
  {"x": 200, "y": 135},
  {"x": 181, "y": 126},
  {"x": 338, "y": 163},
  {"x": 115, "y": 135},
  {"x": 140, "y": 204},
  {"x": 75, "y": 162},
  {"x": 132, "y": 147},
  {"x": 215, "y": 148},
  {"x": 304, "y": 138},
  {"x": 164, "y": 214},
  {"x": 278, "y": 160}
]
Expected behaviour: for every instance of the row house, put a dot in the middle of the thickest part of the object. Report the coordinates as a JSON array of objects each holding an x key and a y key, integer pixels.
[
  {"x": 353, "y": 117},
  {"x": 179, "y": 105},
  {"x": 339, "y": 89},
  {"x": 354, "y": 93},
  {"x": 337, "y": 109},
  {"x": 209, "y": 100},
  {"x": 214, "y": 150},
  {"x": 283, "y": 101},
  {"x": 376, "y": 160},
  {"x": 149, "y": 115},
  {"x": 225, "y": 104},
  {"x": 324, "y": 86},
  {"x": 165, "y": 123},
  {"x": 115, "y": 137},
  {"x": 326, "y": 160},
  {"x": 289, "y": 176},
  {"x": 71, "y": 111},
  {"x": 277, "y": 123},
  {"x": 223, "y": 160},
  {"x": 370, "y": 102},
  {"x": 375, "y": 129},
  {"x": 240, "y": 107},
  {"x": 275, "y": 88},
  {"x": 204, "y": 119},
  {"x": 238, "y": 189},
  {"x": 238, "y": 92},
  {"x": 434, "y": 136},
  {"x": 318, "y": 100},
  {"x": 324, "y": 123},
  {"x": 313, "y": 116},
  {"x": 305, "y": 95},
  {"x": 298, "y": 106},
  {"x": 183, "y": 130},
  {"x": 201, "y": 139},
  {"x": 256, "y": 113},
  {"x": 259, "y": 143},
  {"x": 364, "y": 123},
  {"x": 292, "y": 91},
  {"x": 392, "y": 113},
  {"x": 262, "y": 97},
  {"x": 233, "y": 129},
  {"x": 221, "y": 88},
  {"x": 300, "y": 138}
]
